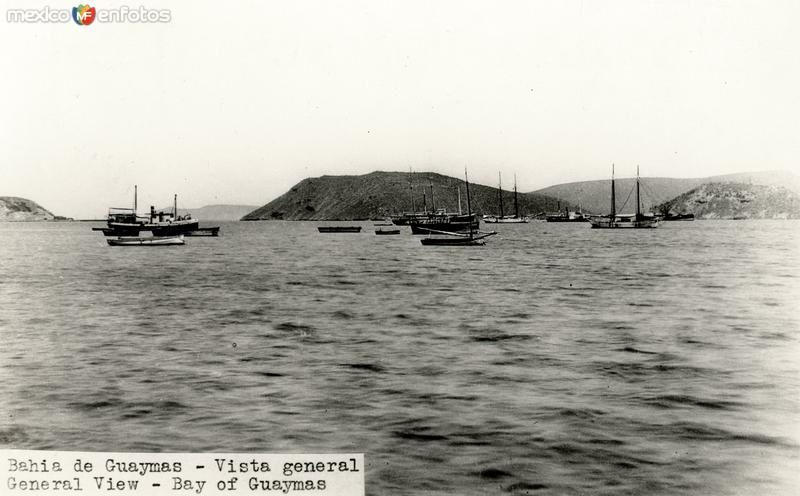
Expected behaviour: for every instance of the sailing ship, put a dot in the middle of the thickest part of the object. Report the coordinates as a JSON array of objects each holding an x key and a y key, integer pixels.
[
  {"x": 506, "y": 219},
  {"x": 630, "y": 221},
  {"x": 435, "y": 220},
  {"x": 472, "y": 237}
]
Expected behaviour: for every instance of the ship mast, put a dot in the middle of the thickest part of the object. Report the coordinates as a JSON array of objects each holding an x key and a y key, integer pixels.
[
  {"x": 135, "y": 191},
  {"x": 459, "y": 200},
  {"x": 469, "y": 206},
  {"x": 175, "y": 208},
  {"x": 500, "y": 186},
  {"x": 613, "y": 196},
  {"x": 411, "y": 189},
  {"x": 638, "y": 202},
  {"x": 433, "y": 202},
  {"x": 516, "y": 209}
]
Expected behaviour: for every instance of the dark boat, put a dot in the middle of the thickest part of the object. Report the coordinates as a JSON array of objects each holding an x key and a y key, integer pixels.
[
  {"x": 387, "y": 232},
  {"x": 679, "y": 217},
  {"x": 472, "y": 237},
  {"x": 126, "y": 222},
  {"x": 445, "y": 222},
  {"x": 339, "y": 229},
  {"x": 203, "y": 231}
]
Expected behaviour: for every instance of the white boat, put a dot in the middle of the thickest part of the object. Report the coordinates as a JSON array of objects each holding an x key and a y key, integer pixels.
[
  {"x": 147, "y": 241},
  {"x": 624, "y": 221}
]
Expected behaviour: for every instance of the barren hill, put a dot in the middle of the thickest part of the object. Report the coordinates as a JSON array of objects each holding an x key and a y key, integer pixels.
[
  {"x": 380, "y": 194},
  {"x": 736, "y": 201},
  {"x": 14, "y": 209}
]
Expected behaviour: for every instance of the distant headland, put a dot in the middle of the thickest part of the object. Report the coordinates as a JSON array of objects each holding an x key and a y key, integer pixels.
[{"x": 14, "y": 209}]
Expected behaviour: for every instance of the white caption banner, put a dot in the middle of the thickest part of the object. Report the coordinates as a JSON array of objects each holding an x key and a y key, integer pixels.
[{"x": 36, "y": 472}]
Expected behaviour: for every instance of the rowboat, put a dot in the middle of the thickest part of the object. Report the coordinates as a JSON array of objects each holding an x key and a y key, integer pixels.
[
  {"x": 385, "y": 232},
  {"x": 339, "y": 229},
  {"x": 147, "y": 241}
]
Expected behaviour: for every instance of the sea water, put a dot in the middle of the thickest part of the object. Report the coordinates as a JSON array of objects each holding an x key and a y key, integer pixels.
[{"x": 557, "y": 359}]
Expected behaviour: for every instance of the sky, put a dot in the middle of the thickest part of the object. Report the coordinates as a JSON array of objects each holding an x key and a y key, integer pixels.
[{"x": 235, "y": 102}]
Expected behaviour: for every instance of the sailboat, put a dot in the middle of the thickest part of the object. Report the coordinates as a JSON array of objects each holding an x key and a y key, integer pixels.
[
  {"x": 629, "y": 221},
  {"x": 472, "y": 237},
  {"x": 506, "y": 219}
]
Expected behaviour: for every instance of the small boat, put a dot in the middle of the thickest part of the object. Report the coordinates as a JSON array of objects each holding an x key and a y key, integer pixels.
[
  {"x": 506, "y": 219},
  {"x": 568, "y": 216},
  {"x": 620, "y": 221},
  {"x": 386, "y": 232},
  {"x": 203, "y": 231},
  {"x": 147, "y": 241},
  {"x": 457, "y": 239},
  {"x": 472, "y": 237},
  {"x": 682, "y": 217},
  {"x": 339, "y": 229}
]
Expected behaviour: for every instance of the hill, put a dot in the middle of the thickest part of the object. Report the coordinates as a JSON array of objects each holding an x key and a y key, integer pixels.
[
  {"x": 380, "y": 194},
  {"x": 736, "y": 200},
  {"x": 14, "y": 209},
  {"x": 595, "y": 196},
  {"x": 215, "y": 212}
]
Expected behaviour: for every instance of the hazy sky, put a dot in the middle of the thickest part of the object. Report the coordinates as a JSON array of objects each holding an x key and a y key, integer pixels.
[{"x": 234, "y": 102}]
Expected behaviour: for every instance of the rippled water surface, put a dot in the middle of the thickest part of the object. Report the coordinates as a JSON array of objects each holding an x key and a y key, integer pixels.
[{"x": 555, "y": 360}]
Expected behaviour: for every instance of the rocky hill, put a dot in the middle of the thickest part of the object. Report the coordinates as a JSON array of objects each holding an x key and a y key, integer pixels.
[
  {"x": 380, "y": 194},
  {"x": 595, "y": 196},
  {"x": 736, "y": 201},
  {"x": 13, "y": 209}
]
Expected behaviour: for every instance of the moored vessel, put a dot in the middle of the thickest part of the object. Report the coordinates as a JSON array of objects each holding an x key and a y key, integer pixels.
[{"x": 624, "y": 221}]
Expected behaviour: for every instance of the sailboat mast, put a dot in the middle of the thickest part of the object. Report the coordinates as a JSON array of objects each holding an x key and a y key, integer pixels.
[
  {"x": 411, "y": 189},
  {"x": 135, "y": 194},
  {"x": 638, "y": 202},
  {"x": 500, "y": 186},
  {"x": 459, "y": 200},
  {"x": 516, "y": 208},
  {"x": 175, "y": 208},
  {"x": 469, "y": 206},
  {"x": 613, "y": 195}
]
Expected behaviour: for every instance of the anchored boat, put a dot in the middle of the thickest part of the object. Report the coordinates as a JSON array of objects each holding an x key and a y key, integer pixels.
[
  {"x": 621, "y": 221},
  {"x": 126, "y": 222},
  {"x": 506, "y": 219},
  {"x": 472, "y": 237},
  {"x": 147, "y": 241}
]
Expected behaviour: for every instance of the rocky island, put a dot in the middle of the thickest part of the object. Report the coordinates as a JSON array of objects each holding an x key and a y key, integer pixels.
[{"x": 14, "y": 209}]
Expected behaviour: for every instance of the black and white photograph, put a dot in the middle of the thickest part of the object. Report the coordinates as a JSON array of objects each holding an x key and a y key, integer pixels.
[{"x": 401, "y": 248}]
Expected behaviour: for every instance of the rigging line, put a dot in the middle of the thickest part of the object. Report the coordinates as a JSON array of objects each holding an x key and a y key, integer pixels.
[
  {"x": 626, "y": 199},
  {"x": 652, "y": 195}
]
